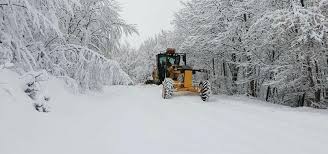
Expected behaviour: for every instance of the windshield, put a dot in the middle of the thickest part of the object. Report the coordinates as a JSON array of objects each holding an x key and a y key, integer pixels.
[{"x": 171, "y": 60}]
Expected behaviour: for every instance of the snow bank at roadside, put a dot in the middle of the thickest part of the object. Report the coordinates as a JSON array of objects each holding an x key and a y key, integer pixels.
[
  {"x": 11, "y": 87},
  {"x": 22, "y": 128},
  {"x": 14, "y": 94}
]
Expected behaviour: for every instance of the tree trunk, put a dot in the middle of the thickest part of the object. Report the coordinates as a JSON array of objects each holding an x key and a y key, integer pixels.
[
  {"x": 310, "y": 77},
  {"x": 302, "y": 101},
  {"x": 302, "y": 3},
  {"x": 252, "y": 88},
  {"x": 213, "y": 61},
  {"x": 245, "y": 17},
  {"x": 317, "y": 93},
  {"x": 224, "y": 69},
  {"x": 268, "y": 94}
]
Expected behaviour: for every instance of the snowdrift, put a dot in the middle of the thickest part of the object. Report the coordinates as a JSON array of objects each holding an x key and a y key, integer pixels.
[{"x": 31, "y": 91}]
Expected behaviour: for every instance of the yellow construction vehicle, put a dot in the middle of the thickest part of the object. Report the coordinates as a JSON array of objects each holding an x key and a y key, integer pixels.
[{"x": 175, "y": 75}]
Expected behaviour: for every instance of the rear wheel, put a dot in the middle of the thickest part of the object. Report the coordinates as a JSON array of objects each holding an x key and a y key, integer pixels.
[
  {"x": 205, "y": 91},
  {"x": 167, "y": 91}
]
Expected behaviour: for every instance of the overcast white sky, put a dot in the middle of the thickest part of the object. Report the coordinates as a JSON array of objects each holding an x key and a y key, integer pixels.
[{"x": 150, "y": 16}]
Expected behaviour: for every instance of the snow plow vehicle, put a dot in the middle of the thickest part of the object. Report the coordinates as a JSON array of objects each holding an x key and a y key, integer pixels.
[{"x": 175, "y": 75}]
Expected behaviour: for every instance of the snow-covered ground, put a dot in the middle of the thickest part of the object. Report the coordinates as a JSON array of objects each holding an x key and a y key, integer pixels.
[{"x": 136, "y": 120}]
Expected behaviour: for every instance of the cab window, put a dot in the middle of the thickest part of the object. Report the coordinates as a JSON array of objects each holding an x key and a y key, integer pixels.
[{"x": 162, "y": 60}]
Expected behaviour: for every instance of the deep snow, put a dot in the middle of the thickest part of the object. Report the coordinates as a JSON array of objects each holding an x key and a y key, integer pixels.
[{"x": 136, "y": 120}]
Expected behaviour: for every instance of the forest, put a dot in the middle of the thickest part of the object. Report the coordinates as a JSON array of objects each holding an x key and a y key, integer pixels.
[{"x": 273, "y": 50}]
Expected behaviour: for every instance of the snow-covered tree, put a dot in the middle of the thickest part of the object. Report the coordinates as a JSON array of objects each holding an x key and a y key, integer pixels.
[
  {"x": 289, "y": 47},
  {"x": 68, "y": 38}
]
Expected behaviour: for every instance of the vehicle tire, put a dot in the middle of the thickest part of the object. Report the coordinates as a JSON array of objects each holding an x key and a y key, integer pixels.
[
  {"x": 205, "y": 91},
  {"x": 168, "y": 88}
]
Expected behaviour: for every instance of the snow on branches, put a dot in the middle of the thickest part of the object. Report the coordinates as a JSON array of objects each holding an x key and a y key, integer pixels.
[
  {"x": 90, "y": 69},
  {"x": 64, "y": 37}
]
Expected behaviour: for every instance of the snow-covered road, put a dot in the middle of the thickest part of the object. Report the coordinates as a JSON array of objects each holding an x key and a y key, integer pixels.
[{"x": 136, "y": 120}]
